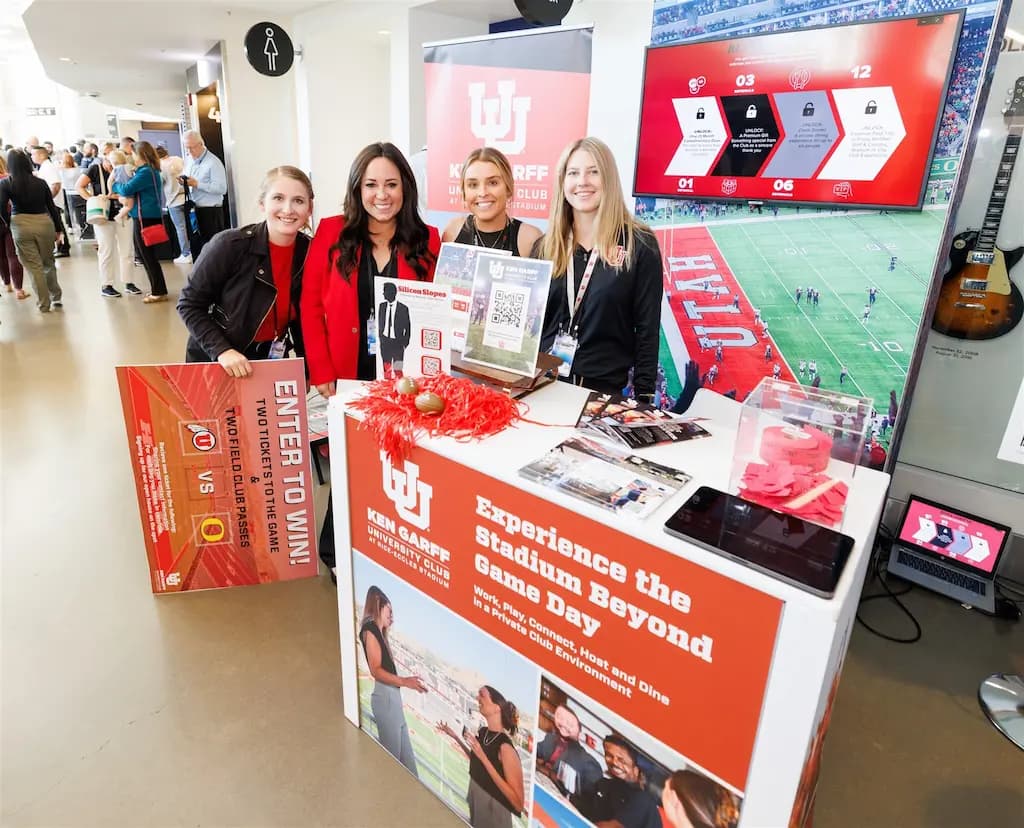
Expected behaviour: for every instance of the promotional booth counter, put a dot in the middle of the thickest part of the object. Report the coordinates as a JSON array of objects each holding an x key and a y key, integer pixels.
[{"x": 701, "y": 663}]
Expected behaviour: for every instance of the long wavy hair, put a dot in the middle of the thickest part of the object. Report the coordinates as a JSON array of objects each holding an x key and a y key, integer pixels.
[
  {"x": 411, "y": 233},
  {"x": 145, "y": 154},
  {"x": 615, "y": 224},
  {"x": 706, "y": 803},
  {"x": 374, "y": 605}
]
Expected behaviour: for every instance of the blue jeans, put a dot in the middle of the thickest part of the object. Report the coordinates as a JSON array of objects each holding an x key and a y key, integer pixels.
[{"x": 178, "y": 218}]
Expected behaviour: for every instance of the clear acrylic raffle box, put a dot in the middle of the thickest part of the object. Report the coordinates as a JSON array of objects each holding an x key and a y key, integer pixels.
[{"x": 797, "y": 449}]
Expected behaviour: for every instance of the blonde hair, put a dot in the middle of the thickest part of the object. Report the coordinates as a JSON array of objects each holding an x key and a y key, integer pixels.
[
  {"x": 491, "y": 156},
  {"x": 118, "y": 157},
  {"x": 286, "y": 171},
  {"x": 615, "y": 224}
]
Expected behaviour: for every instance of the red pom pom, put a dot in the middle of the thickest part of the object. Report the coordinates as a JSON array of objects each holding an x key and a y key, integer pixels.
[{"x": 471, "y": 412}]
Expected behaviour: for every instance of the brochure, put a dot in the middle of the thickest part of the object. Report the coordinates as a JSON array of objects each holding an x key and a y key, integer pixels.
[
  {"x": 602, "y": 475},
  {"x": 506, "y": 313},
  {"x": 456, "y": 265},
  {"x": 627, "y": 422},
  {"x": 413, "y": 328}
]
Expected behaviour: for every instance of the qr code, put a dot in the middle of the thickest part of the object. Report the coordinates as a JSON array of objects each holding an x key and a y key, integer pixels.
[
  {"x": 507, "y": 308},
  {"x": 431, "y": 339},
  {"x": 430, "y": 366}
]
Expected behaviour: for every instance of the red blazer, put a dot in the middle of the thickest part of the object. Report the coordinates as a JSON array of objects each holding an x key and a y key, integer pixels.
[{"x": 330, "y": 305}]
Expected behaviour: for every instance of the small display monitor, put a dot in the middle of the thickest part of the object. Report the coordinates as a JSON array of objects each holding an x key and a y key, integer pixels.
[
  {"x": 843, "y": 115},
  {"x": 967, "y": 541}
]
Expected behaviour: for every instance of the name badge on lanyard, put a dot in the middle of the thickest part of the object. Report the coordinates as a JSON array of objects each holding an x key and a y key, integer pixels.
[
  {"x": 277, "y": 349},
  {"x": 371, "y": 335},
  {"x": 567, "y": 342}
]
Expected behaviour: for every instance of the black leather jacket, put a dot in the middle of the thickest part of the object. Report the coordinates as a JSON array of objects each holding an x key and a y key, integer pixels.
[{"x": 231, "y": 290}]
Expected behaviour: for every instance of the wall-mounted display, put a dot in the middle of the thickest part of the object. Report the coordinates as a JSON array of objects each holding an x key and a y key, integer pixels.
[{"x": 846, "y": 114}]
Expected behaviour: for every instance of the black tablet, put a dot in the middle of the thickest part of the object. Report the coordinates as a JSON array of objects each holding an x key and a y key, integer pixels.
[{"x": 793, "y": 550}]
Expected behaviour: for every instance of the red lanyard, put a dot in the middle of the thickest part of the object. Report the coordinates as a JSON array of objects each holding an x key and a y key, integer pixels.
[{"x": 570, "y": 282}]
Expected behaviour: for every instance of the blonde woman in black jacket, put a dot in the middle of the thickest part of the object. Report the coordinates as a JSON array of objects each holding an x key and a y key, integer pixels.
[{"x": 242, "y": 300}]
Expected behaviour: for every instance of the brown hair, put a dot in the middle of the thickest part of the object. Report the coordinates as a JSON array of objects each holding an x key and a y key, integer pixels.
[
  {"x": 145, "y": 154},
  {"x": 67, "y": 160},
  {"x": 491, "y": 156},
  {"x": 706, "y": 803},
  {"x": 374, "y": 605},
  {"x": 286, "y": 171},
  {"x": 509, "y": 712},
  {"x": 412, "y": 235}
]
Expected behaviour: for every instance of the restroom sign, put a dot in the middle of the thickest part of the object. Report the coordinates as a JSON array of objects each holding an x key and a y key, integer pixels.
[{"x": 269, "y": 50}]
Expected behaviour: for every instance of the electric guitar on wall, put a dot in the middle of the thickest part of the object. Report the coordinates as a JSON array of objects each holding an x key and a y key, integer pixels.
[{"x": 977, "y": 299}]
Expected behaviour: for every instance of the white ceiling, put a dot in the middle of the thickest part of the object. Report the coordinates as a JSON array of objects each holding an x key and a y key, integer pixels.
[{"x": 135, "y": 54}]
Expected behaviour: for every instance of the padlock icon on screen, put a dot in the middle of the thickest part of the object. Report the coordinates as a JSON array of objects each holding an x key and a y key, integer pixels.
[
  {"x": 871, "y": 108},
  {"x": 700, "y": 113},
  {"x": 808, "y": 109},
  {"x": 751, "y": 111}
]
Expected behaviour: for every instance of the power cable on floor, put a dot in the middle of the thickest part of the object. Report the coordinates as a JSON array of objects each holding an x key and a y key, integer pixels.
[{"x": 884, "y": 540}]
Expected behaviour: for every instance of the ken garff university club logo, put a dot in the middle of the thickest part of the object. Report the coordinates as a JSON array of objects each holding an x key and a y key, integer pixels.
[
  {"x": 410, "y": 495},
  {"x": 269, "y": 50}
]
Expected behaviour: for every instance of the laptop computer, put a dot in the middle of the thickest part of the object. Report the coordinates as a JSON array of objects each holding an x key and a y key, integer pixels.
[{"x": 949, "y": 551}]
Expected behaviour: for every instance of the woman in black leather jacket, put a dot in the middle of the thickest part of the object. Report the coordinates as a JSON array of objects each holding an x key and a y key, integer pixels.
[{"x": 242, "y": 299}]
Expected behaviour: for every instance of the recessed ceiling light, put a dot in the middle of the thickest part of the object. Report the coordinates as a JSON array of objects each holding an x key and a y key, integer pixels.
[
  {"x": 383, "y": 31},
  {"x": 66, "y": 60}
]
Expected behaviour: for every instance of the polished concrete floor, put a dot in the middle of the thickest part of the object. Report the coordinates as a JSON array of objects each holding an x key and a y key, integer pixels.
[{"x": 224, "y": 709}]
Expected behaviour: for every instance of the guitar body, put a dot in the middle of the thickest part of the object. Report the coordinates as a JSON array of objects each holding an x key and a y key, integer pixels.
[{"x": 977, "y": 299}]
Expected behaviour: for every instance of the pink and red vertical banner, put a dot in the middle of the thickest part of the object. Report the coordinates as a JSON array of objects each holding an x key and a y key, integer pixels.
[
  {"x": 526, "y": 94},
  {"x": 222, "y": 473}
]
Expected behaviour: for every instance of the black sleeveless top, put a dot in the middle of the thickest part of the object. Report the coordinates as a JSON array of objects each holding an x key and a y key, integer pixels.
[
  {"x": 505, "y": 239},
  {"x": 491, "y": 743},
  {"x": 386, "y": 661}
]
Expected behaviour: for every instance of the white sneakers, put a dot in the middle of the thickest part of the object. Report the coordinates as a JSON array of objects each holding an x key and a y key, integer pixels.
[{"x": 183, "y": 260}]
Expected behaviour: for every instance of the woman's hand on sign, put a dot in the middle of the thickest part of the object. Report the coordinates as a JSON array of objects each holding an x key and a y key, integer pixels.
[
  {"x": 235, "y": 363},
  {"x": 327, "y": 389}
]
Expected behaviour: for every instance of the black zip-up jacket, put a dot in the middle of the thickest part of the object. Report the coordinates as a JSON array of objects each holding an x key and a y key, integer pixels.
[
  {"x": 231, "y": 291},
  {"x": 619, "y": 320}
]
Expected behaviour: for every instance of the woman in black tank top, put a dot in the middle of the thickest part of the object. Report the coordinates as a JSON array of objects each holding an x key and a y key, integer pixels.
[
  {"x": 487, "y": 186},
  {"x": 496, "y": 789}
]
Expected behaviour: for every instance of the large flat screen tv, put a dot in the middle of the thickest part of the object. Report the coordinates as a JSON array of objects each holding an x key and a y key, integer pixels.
[{"x": 844, "y": 114}]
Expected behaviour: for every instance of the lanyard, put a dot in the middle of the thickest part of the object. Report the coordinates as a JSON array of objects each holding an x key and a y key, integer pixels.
[{"x": 574, "y": 304}]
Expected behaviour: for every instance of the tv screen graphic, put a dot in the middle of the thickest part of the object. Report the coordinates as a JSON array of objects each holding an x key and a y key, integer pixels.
[{"x": 838, "y": 115}]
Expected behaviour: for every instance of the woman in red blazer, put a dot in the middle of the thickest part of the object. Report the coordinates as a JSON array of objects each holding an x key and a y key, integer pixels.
[{"x": 380, "y": 234}]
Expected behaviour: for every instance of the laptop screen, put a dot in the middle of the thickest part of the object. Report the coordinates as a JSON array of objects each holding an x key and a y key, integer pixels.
[{"x": 970, "y": 541}]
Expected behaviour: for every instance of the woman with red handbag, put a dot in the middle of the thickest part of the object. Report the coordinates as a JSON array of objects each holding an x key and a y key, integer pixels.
[{"x": 147, "y": 189}]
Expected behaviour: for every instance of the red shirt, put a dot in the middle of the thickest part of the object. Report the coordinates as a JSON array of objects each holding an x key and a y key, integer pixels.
[
  {"x": 281, "y": 314},
  {"x": 330, "y": 305}
]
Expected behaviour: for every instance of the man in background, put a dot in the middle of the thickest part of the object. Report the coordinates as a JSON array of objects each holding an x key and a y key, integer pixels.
[
  {"x": 208, "y": 183},
  {"x": 47, "y": 170},
  {"x": 562, "y": 758}
]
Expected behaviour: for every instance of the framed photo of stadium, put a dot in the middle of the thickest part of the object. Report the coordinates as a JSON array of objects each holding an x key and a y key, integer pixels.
[{"x": 844, "y": 115}]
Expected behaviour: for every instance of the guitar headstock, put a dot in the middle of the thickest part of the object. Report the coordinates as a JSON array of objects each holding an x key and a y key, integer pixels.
[{"x": 1013, "y": 113}]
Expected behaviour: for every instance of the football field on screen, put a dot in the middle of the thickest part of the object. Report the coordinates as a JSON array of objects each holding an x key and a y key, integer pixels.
[{"x": 841, "y": 255}]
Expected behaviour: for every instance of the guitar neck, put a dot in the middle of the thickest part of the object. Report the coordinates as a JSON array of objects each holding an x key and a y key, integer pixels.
[{"x": 994, "y": 213}]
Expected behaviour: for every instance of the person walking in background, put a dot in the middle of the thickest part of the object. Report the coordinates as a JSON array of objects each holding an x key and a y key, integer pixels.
[
  {"x": 113, "y": 236},
  {"x": 26, "y": 202},
  {"x": 208, "y": 183},
  {"x": 172, "y": 168},
  {"x": 496, "y": 791},
  {"x": 145, "y": 186},
  {"x": 11, "y": 271},
  {"x": 386, "y": 698},
  {"x": 48, "y": 172},
  {"x": 867, "y": 315},
  {"x": 242, "y": 300},
  {"x": 73, "y": 206},
  {"x": 768, "y": 353},
  {"x": 842, "y": 374}
]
